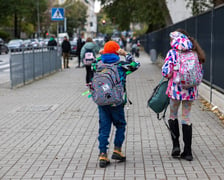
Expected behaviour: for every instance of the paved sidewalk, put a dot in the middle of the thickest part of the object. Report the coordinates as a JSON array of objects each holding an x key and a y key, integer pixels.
[{"x": 49, "y": 131}]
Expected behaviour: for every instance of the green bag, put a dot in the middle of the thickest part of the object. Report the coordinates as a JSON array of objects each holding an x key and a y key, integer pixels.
[{"x": 159, "y": 101}]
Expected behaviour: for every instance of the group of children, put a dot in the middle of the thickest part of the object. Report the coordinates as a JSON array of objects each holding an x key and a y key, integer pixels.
[{"x": 114, "y": 113}]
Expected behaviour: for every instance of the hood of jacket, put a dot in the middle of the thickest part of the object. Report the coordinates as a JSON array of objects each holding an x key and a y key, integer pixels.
[
  {"x": 89, "y": 45},
  {"x": 180, "y": 41}
]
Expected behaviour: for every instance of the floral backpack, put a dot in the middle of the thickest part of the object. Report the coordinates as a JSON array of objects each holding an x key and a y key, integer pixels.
[{"x": 188, "y": 70}]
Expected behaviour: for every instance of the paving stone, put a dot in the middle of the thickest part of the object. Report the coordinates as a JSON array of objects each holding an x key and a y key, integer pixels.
[{"x": 49, "y": 131}]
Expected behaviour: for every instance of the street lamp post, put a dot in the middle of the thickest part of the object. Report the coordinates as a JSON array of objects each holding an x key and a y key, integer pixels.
[{"x": 65, "y": 19}]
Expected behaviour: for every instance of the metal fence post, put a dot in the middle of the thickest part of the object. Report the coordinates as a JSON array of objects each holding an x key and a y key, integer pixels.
[
  {"x": 33, "y": 60},
  {"x": 211, "y": 55},
  {"x": 10, "y": 62},
  {"x": 42, "y": 59},
  {"x": 24, "y": 75}
]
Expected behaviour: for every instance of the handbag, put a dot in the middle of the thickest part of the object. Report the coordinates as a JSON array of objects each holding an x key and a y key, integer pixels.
[{"x": 159, "y": 101}]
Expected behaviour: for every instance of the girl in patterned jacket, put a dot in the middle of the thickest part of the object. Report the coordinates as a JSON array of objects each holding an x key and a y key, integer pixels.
[{"x": 180, "y": 41}]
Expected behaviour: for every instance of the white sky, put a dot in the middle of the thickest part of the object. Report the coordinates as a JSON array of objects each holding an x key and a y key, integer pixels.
[{"x": 97, "y": 6}]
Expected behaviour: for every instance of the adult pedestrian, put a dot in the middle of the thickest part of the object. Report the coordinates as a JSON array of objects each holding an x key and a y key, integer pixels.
[
  {"x": 107, "y": 38},
  {"x": 124, "y": 41},
  {"x": 89, "y": 46},
  {"x": 114, "y": 114},
  {"x": 80, "y": 44},
  {"x": 66, "y": 48},
  {"x": 181, "y": 42},
  {"x": 51, "y": 43},
  {"x": 135, "y": 43}
]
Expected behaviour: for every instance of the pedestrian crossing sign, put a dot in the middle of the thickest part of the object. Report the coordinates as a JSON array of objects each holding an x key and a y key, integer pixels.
[{"x": 57, "y": 14}]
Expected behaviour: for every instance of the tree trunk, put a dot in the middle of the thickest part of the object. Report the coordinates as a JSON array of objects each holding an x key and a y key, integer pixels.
[{"x": 15, "y": 25}]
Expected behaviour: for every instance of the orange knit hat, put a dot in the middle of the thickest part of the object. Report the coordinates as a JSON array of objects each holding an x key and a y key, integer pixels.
[{"x": 111, "y": 47}]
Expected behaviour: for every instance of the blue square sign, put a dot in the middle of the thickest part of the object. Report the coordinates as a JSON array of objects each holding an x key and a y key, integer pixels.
[{"x": 57, "y": 14}]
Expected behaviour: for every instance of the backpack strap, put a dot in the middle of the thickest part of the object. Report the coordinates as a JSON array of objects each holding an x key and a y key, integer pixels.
[
  {"x": 164, "y": 120},
  {"x": 164, "y": 115}
]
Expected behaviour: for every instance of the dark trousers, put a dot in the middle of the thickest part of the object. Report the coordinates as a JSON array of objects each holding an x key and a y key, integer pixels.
[
  {"x": 66, "y": 59},
  {"x": 79, "y": 59},
  {"x": 109, "y": 115},
  {"x": 89, "y": 74}
]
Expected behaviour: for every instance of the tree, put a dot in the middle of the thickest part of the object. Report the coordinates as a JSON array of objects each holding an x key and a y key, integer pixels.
[
  {"x": 154, "y": 13},
  {"x": 199, "y": 6},
  {"x": 76, "y": 16},
  {"x": 104, "y": 24},
  {"x": 21, "y": 12}
]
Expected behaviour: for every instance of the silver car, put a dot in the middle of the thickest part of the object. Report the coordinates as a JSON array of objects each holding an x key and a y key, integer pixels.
[{"x": 16, "y": 45}]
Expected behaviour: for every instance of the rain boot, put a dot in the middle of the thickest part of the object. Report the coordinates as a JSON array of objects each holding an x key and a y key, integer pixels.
[
  {"x": 174, "y": 127},
  {"x": 187, "y": 138}
]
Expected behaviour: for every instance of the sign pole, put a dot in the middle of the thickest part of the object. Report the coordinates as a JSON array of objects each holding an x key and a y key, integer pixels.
[{"x": 57, "y": 33}]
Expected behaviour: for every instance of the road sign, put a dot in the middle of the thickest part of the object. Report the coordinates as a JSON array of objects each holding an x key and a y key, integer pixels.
[{"x": 57, "y": 14}]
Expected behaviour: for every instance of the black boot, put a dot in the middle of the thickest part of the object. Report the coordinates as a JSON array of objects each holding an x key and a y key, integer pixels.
[
  {"x": 187, "y": 138},
  {"x": 174, "y": 127}
]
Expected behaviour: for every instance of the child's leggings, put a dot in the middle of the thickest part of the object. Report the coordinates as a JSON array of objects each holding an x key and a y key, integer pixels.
[{"x": 186, "y": 109}]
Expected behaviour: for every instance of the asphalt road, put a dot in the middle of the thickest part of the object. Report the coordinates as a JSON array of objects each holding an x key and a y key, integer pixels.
[{"x": 4, "y": 68}]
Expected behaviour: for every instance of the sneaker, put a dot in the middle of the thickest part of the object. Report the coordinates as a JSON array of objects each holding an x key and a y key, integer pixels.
[
  {"x": 104, "y": 161},
  {"x": 117, "y": 155}
]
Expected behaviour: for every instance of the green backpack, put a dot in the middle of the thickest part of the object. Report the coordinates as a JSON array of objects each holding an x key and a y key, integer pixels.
[{"x": 159, "y": 101}]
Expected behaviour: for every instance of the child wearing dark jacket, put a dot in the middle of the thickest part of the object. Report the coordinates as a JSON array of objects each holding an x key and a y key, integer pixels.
[{"x": 114, "y": 114}]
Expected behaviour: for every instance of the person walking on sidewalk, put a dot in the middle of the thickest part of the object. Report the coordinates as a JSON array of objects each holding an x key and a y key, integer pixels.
[
  {"x": 89, "y": 46},
  {"x": 181, "y": 42},
  {"x": 52, "y": 43},
  {"x": 66, "y": 48},
  {"x": 114, "y": 113},
  {"x": 80, "y": 44}
]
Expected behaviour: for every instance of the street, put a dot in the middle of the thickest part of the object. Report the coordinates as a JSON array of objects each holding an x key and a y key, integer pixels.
[{"x": 4, "y": 68}]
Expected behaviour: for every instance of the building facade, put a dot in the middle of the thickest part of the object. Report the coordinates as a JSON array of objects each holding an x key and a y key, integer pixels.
[
  {"x": 178, "y": 10},
  {"x": 91, "y": 23}
]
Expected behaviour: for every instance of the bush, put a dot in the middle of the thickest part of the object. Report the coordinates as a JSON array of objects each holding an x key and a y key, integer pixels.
[{"x": 4, "y": 35}]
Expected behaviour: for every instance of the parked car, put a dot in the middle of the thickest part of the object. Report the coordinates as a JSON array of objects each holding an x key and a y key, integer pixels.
[
  {"x": 35, "y": 43},
  {"x": 46, "y": 42},
  {"x": 27, "y": 43},
  {"x": 1, "y": 41},
  {"x": 3, "y": 47},
  {"x": 99, "y": 41},
  {"x": 16, "y": 45},
  {"x": 41, "y": 42},
  {"x": 73, "y": 52}
]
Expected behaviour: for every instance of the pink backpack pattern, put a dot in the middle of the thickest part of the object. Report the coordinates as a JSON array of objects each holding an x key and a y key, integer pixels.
[
  {"x": 188, "y": 70},
  {"x": 89, "y": 57}
]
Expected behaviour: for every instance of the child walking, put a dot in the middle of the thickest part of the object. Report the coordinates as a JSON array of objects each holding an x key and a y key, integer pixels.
[
  {"x": 180, "y": 43},
  {"x": 114, "y": 113}
]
